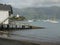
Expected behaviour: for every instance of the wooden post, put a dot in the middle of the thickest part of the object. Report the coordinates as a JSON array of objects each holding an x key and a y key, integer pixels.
[
  {"x": 30, "y": 27},
  {"x": 15, "y": 26},
  {"x": 0, "y": 27},
  {"x": 8, "y": 27},
  {"x": 23, "y": 26}
]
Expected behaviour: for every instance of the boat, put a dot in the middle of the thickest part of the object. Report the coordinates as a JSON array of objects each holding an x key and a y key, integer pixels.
[
  {"x": 52, "y": 21},
  {"x": 31, "y": 20}
]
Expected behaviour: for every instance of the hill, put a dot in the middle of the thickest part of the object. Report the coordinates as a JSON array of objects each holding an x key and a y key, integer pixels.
[{"x": 38, "y": 12}]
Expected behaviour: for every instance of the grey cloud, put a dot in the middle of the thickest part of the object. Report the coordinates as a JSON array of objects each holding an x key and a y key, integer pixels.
[{"x": 29, "y": 3}]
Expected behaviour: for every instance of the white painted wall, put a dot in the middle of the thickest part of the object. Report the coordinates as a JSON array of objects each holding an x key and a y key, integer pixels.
[{"x": 3, "y": 16}]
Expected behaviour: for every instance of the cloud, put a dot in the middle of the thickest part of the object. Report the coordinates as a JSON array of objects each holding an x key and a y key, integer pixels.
[{"x": 30, "y": 3}]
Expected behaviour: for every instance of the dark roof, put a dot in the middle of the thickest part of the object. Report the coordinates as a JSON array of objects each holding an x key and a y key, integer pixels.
[{"x": 6, "y": 7}]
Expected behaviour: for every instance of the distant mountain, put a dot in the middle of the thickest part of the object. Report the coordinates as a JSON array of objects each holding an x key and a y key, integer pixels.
[{"x": 38, "y": 12}]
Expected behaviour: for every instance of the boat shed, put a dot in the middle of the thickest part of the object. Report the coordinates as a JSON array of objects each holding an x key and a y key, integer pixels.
[{"x": 5, "y": 12}]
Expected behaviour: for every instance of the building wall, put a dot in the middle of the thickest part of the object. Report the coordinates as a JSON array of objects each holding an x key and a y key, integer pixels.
[{"x": 3, "y": 16}]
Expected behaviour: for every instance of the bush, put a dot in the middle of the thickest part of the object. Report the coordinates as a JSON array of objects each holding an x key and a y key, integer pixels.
[{"x": 18, "y": 18}]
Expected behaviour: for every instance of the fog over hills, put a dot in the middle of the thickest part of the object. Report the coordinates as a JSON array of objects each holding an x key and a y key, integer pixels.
[
  {"x": 38, "y": 12},
  {"x": 35, "y": 9}
]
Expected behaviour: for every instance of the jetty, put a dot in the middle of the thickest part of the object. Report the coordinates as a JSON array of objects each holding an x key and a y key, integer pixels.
[
  {"x": 15, "y": 27},
  {"x": 6, "y": 13}
]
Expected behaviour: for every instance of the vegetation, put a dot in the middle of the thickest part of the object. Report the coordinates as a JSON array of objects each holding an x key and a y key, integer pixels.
[{"x": 20, "y": 18}]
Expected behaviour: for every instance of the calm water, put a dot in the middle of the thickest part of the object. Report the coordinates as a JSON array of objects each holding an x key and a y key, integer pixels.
[{"x": 51, "y": 32}]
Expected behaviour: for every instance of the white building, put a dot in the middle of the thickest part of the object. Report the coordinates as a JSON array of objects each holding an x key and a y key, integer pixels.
[
  {"x": 17, "y": 15},
  {"x": 5, "y": 12}
]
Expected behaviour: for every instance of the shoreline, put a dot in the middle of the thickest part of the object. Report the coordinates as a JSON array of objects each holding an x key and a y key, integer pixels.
[{"x": 4, "y": 41}]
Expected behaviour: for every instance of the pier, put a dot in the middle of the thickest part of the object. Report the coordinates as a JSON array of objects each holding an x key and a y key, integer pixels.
[{"x": 13, "y": 27}]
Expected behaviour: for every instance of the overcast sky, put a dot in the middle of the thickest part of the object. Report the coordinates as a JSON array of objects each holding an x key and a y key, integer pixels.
[{"x": 31, "y": 3}]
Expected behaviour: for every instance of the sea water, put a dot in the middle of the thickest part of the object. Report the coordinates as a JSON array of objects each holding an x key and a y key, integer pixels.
[{"x": 51, "y": 32}]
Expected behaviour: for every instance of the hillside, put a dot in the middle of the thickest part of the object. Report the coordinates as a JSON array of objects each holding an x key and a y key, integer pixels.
[{"x": 38, "y": 12}]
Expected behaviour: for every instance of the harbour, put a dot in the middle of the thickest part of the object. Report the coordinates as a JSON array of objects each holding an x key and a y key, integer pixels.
[{"x": 18, "y": 30}]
